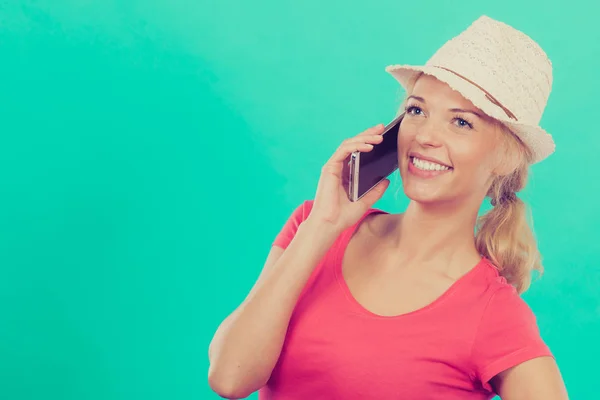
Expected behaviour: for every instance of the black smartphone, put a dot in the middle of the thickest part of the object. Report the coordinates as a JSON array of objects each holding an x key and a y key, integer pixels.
[{"x": 363, "y": 171}]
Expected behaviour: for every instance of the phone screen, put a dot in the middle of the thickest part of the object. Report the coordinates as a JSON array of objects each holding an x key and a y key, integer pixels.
[{"x": 380, "y": 162}]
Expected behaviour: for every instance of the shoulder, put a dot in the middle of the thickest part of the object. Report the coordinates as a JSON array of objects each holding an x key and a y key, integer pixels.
[
  {"x": 501, "y": 299},
  {"x": 501, "y": 294},
  {"x": 296, "y": 218},
  {"x": 506, "y": 306},
  {"x": 300, "y": 213},
  {"x": 293, "y": 222}
]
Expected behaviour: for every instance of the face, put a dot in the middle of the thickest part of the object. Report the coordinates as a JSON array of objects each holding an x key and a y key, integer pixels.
[{"x": 445, "y": 145}]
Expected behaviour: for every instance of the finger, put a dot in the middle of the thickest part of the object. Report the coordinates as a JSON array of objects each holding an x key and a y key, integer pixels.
[
  {"x": 360, "y": 143},
  {"x": 348, "y": 148},
  {"x": 373, "y": 139},
  {"x": 374, "y": 130},
  {"x": 376, "y": 193}
]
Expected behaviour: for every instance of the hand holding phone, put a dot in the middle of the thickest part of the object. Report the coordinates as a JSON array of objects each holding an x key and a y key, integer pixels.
[
  {"x": 332, "y": 209},
  {"x": 363, "y": 170}
]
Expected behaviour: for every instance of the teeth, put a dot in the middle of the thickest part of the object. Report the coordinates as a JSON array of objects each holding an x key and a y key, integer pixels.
[{"x": 427, "y": 165}]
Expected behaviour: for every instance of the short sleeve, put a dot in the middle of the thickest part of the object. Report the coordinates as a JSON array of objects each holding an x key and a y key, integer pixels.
[
  {"x": 507, "y": 336},
  {"x": 287, "y": 233}
]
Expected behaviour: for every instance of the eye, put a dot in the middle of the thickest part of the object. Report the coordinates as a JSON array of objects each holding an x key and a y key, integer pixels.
[
  {"x": 414, "y": 110},
  {"x": 462, "y": 123}
]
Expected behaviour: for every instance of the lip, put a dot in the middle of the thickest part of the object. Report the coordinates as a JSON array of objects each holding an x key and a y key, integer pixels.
[{"x": 425, "y": 158}]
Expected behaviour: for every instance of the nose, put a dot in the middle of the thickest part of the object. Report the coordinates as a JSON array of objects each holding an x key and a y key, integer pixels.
[{"x": 427, "y": 134}]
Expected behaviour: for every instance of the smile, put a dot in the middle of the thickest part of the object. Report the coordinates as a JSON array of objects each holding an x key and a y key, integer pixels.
[
  {"x": 426, "y": 169},
  {"x": 428, "y": 165}
]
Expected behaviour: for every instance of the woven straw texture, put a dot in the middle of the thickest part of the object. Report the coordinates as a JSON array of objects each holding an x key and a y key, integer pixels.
[{"x": 502, "y": 71}]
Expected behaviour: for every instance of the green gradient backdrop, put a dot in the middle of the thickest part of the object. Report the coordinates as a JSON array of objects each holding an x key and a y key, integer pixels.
[{"x": 126, "y": 238}]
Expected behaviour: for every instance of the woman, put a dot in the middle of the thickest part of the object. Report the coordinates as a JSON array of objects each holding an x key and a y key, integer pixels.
[{"x": 356, "y": 303}]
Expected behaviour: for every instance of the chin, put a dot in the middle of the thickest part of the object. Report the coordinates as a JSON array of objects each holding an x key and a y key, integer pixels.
[
  {"x": 427, "y": 190},
  {"x": 424, "y": 194}
]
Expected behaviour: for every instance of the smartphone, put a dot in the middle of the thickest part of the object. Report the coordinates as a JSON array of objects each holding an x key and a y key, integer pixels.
[{"x": 363, "y": 171}]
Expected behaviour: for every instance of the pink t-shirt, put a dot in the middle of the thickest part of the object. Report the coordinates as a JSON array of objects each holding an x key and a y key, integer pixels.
[{"x": 450, "y": 349}]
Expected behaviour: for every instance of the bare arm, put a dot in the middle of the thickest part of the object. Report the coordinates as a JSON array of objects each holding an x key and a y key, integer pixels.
[
  {"x": 536, "y": 379},
  {"x": 247, "y": 345}
]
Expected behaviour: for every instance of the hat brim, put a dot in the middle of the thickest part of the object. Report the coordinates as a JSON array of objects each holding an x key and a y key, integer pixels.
[{"x": 534, "y": 137}]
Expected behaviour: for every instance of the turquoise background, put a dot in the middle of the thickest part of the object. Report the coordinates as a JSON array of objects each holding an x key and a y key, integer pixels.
[{"x": 151, "y": 150}]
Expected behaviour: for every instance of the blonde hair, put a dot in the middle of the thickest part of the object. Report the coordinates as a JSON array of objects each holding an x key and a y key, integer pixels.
[{"x": 503, "y": 235}]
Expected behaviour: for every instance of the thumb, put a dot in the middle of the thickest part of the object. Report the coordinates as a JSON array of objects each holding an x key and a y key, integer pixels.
[{"x": 376, "y": 193}]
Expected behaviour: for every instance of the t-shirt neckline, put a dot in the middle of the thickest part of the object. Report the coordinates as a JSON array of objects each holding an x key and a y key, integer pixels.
[{"x": 338, "y": 261}]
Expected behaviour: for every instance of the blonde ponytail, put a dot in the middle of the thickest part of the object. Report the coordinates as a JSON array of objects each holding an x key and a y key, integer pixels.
[{"x": 503, "y": 234}]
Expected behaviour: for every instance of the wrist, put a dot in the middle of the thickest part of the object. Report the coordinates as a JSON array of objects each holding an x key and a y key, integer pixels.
[{"x": 321, "y": 229}]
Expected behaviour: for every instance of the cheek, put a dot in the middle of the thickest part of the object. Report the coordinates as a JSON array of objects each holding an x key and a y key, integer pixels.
[
  {"x": 406, "y": 135},
  {"x": 472, "y": 159}
]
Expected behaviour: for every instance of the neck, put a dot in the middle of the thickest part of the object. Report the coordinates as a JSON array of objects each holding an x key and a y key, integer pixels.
[{"x": 441, "y": 234}]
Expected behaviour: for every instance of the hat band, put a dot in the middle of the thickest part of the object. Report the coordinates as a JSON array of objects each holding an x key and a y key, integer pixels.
[{"x": 487, "y": 94}]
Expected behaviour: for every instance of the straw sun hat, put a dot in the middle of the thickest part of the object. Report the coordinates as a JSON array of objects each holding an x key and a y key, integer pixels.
[{"x": 502, "y": 71}]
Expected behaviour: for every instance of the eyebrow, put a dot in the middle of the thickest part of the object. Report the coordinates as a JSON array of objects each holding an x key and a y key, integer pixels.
[
  {"x": 422, "y": 100},
  {"x": 460, "y": 110},
  {"x": 455, "y": 110}
]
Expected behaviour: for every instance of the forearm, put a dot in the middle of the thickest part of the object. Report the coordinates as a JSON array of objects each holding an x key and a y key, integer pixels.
[{"x": 247, "y": 345}]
